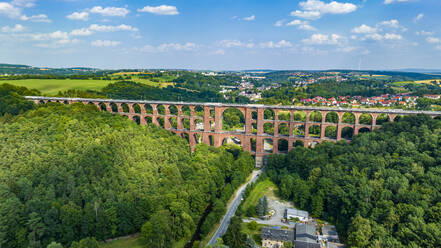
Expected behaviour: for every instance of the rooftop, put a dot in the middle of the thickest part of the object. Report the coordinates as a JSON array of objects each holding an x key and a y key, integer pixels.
[
  {"x": 329, "y": 230},
  {"x": 277, "y": 234},
  {"x": 296, "y": 212},
  {"x": 306, "y": 232}
]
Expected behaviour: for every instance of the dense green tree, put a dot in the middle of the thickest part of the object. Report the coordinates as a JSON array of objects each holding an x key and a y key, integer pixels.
[
  {"x": 54, "y": 245},
  {"x": 234, "y": 238}
]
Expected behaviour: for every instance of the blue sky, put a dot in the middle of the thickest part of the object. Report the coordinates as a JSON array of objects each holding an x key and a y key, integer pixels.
[{"x": 222, "y": 34}]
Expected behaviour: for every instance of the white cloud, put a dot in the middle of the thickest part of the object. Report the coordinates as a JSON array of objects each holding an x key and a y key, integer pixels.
[
  {"x": 271, "y": 44},
  {"x": 389, "y": 36},
  {"x": 391, "y": 23},
  {"x": 105, "y": 43},
  {"x": 393, "y": 1},
  {"x": 110, "y": 11},
  {"x": 279, "y": 23},
  {"x": 424, "y": 33},
  {"x": 374, "y": 36},
  {"x": 15, "y": 29},
  {"x": 13, "y": 10},
  {"x": 9, "y": 10},
  {"x": 301, "y": 25},
  {"x": 235, "y": 43},
  {"x": 364, "y": 29},
  {"x": 418, "y": 17},
  {"x": 160, "y": 10},
  {"x": 249, "y": 18},
  {"x": 347, "y": 49},
  {"x": 36, "y": 18},
  {"x": 314, "y": 9},
  {"x": 433, "y": 40},
  {"x": 82, "y": 16},
  {"x": 81, "y": 32},
  {"x": 24, "y": 3},
  {"x": 167, "y": 47},
  {"x": 324, "y": 39},
  {"x": 105, "y": 28}
]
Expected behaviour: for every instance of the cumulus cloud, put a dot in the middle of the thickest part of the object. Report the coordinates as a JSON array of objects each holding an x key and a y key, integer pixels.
[
  {"x": 390, "y": 23},
  {"x": 418, "y": 17},
  {"x": 364, "y": 29},
  {"x": 379, "y": 37},
  {"x": 13, "y": 10},
  {"x": 314, "y": 9},
  {"x": 102, "y": 28},
  {"x": 324, "y": 39},
  {"x": 9, "y": 10},
  {"x": 433, "y": 40},
  {"x": 389, "y": 36},
  {"x": 109, "y": 11},
  {"x": 424, "y": 33},
  {"x": 15, "y": 29},
  {"x": 304, "y": 25},
  {"x": 249, "y": 18},
  {"x": 36, "y": 18},
  {"x": 235, "y": 43},
  {"x": 105, "y": 43},
  {"x": 82, "y": 16},
  {"x": 160, "y": 10},
  {"x": 395, "y": 1},
  {"x": 167, "y": 47},
  {"x": 81, "y": 32},
  {"x": 271, "y": 44}
]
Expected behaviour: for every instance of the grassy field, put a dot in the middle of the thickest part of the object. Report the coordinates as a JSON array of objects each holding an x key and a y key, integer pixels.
[
  {"x": 131, "y": 242},
  {"x": 262, "y": 188}
]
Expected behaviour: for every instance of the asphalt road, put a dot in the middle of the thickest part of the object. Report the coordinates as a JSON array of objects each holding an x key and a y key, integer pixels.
[{"x": 232, "y": 209}]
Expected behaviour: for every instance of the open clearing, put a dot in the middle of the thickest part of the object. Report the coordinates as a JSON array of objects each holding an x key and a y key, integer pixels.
[{"x": 262, "y": 188}]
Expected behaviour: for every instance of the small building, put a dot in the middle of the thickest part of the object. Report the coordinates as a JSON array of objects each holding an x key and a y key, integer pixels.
[
  {"x": 292, "y": 213},
  {"x": 306, "y": 233},
  {"x": 330, "y": 233},
  {"x": 274, "y": 238}
]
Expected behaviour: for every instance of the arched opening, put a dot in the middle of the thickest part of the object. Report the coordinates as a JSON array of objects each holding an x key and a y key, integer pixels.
[
  {"x": 254, "y": 115},
  {"x": 160, "y": 121},
  {"x": 211, "y": 140},
  {"x": 185, "y": 136},
  {"x": 314, "y": 131},
  {"x": 41, "y": 102},
  {"x": 199, "y": 111},
  {"x": 65, "y": 102},
  {"x": 299, "y": 116},
  {"x": 102, "y": 106},
  {"x": 173, "y": 110},
  {"x": 199, "y": 124},
  {"x": 348, "y": 118},
  {"x": 186, "y": 123},
  {"x": 161, "y": 109},
  {"x": 268, "y": 128},
  {"x": 268, "y": 145},
  {"x": 298, "y": 143},
  {"x": 299, "y": 130},
  {"x": 331, "y": 117},
  {"x": 137, "y": 119},
  {"x": 365, "y": 119},
  {"x": 268, "y": 114},
  {"x": 254, "y": 128},
  {"x": 137, "y": 108},
  {"x": 148, "y": 120},
  {"x": 198, "y": 138},
  {"x": 125, "y": 116},
  {"x": 233, "y": 120},
  {"x": 284, "y": 129},
  {"x": 173, "y": 122},
  {"x": 347, "y": 133},
  {"x": 364, "y": 130},
  {"x": 284, "y": 115},
  {"x": 398, "y": 118},
  {"x": 282, "y": 145},
  {"x": 232, "y": 140},
  {"x": 212, "y": 113},
  {"x": 315, "y": 116},
  {"x": 186, "y": 110},
  {"x": 212, "y": 125},
  {"x": 114, "y": 107},
  {"x": 253, "y": 144},
  {"x": 125, "y": 108},
  {"x": 148, "y": 109},
  {"x": 331, "y": 132},
  {"x": 437, "y": 117},
  {"x": 382, "y": 118}
]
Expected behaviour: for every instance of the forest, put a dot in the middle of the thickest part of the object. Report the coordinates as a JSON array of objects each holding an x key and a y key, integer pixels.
[
  {"x": 381, "y": 190},
  {"x": 72, "y": 173}
]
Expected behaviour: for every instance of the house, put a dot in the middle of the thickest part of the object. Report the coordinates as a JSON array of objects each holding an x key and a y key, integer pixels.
[
  {"x": 434, "y": 97},
  {"x": 330, "y": 233},
  {"x": 306, "y": 236},
  {"x": 292, "y": 213},
  {"x": 274, "y": 238}
]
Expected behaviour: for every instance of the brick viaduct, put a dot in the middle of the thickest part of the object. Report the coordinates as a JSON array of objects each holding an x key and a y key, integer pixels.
[{"x": 267, "y": 129}]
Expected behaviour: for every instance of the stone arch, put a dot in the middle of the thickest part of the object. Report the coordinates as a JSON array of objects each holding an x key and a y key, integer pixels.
[
  {"x": 210, "y": 140},
  {"x": 365, "y": 119},
  {"x": 331, "y": 132},
  {"x": 382, "y": 118},
  {"x": 197, "y": 138},
  {"x": 254, "y": 128},
  {"x": 347, "y": 133},
  {"x": 199, "y": 124},
  {"x": 160, "y": 109},
  {"x": 282, "y": 145},
  {"x": 348, "y": 118},
  {"x": 253, "y": 144},
  {"x": 65, "y": 102},
  {"x": 437, "y": 117},
  {"x": 137, "y": 119},
  {"x": 199, "y": 110},
  {"x": 315, "y": 131},
  {"x": 268, "y": 145},
  {"x": 232, "y": 140},
  {"x": 299, "y": 130},
  {"x": 398, "y": 118},
  {"x": 283, "y": 129},
  {"x": 364, "y": 130},
  {"x": 284, "y": 115},
  {"x": 299, "y": 116},
  {"x": 173, "y": 110},
  {"x": 186, "y": 123},
  {"x": 136, "y": 108},
  {"x": 185, "y": 136},
  {"x": 186, "y": 110},
  {"x": 125, "y": 107},
  {"x": 331, "y": 117},
  {"x": 41, "y": 102},
  {"x": 233, "y": 120},
  {"x": 148, "y": 120},
  {"x": 269, "y": 114},
  {"x": 160, "y": 121},
  {"x": 254, "y": 115},
  {"x": 298, "y": 143},
  {"x": 173, "y": 122},
  {"x": 102, "y": 106},
  {"x": 114, "y": 107},
  {"x": 315, "y": 116},
  {"x": 148, "y": 109},
  {"x": 268, "y": 128}
]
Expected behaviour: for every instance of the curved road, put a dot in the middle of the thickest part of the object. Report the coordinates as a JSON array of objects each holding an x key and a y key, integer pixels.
[{"x": 232, "y": 209}]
